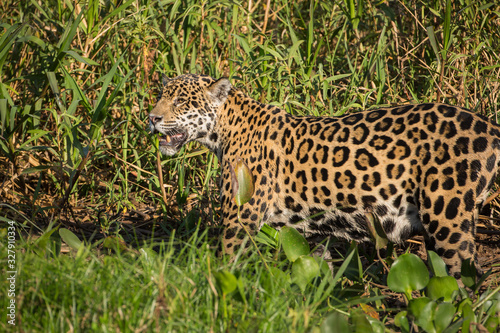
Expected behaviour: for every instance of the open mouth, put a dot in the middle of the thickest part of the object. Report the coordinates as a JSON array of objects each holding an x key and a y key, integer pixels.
[{"x": 172, "y": 140}]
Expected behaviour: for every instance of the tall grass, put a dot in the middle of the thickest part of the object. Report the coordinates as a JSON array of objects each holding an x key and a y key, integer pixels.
[{"x": 77, "y": 80}]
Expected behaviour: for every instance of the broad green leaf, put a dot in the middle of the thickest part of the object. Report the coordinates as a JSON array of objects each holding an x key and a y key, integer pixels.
[
  {"x": 423, "y": 310},
  {"x": 442, "y": 287},
  {"x": 304, "y": 269},
  {"x": 468, "y": 273},
  {"x": 335, "y": 322},
  {"x": 468, "y": 315},
  {"x": 226, "y": 281},
  {"x": 360, "y": 322},
  {"x": 70, "y": 238},
  {"x": 444, "y": 315},
  {"x": 377, "y": 325},
  {"x": 323, "y": 266},
  {"x": 401, "y": 321},
  {"x": 436, "y": 263},
  {"x": 293, "y": 243},
  {"x": 241, "y": 181},
  {"x": 408, "y": 273}
]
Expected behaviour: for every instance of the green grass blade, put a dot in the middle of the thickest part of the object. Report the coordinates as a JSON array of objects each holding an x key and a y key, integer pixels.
[
  {"x": 3, "y": 114},
  {"x": 78, "y": 93},
  {"x": 69, "y": 33},
  {"x": 7, "y": 39},
  {"x": 100, "y": 111},
  {"x": 79, "y": 58},
  {"x": 434, "y": 44},
  {"x": 117, "y": 10},
  {"x": 447, "y": 28}
]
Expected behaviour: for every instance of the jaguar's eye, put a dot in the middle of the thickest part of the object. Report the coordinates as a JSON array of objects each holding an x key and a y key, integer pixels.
[{"x": 178, "y": 101}]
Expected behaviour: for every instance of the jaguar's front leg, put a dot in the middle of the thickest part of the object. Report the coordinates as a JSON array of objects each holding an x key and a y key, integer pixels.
[{"x": 234, "y": 224}]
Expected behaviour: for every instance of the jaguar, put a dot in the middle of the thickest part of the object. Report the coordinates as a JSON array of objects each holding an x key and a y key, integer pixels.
[{"x": 419, "y": 169}]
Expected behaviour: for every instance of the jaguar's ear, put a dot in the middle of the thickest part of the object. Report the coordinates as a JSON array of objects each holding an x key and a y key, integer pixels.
[
  {"x": 219, "y": 90},
  {"x": 164, "y": 79}
]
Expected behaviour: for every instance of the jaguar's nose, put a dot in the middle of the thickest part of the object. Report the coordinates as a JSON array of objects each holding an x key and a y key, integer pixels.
[{"x": 154, "y": 119}]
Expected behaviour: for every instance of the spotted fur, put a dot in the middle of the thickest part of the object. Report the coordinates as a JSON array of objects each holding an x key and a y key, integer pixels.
[{"x": 419, "y": 168}]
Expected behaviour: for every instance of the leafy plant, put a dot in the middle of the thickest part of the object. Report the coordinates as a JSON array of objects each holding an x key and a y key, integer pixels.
[
  {"x": 408, "y": 273},
  {"x": 442, "y": 307}
]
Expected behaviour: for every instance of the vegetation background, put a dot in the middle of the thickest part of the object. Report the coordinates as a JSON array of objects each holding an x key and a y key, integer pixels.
[{"x": 77, "y": 80}]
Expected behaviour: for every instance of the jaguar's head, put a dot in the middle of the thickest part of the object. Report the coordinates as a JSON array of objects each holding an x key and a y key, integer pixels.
[{"x": 186, "y": 110}]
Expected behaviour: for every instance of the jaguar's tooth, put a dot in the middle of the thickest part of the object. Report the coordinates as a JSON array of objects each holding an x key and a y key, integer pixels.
[{"x": 167, "y": 138}]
